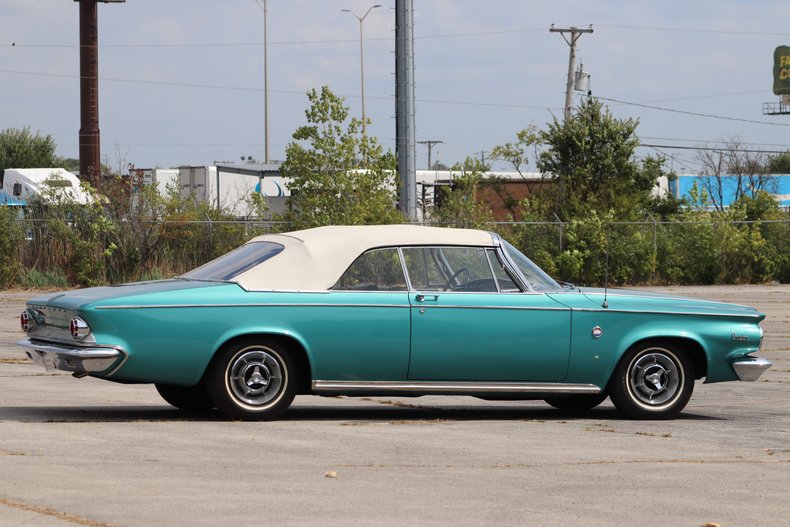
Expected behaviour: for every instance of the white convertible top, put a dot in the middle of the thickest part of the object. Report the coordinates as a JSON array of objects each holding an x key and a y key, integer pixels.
[{"x": 314, "y": 259}]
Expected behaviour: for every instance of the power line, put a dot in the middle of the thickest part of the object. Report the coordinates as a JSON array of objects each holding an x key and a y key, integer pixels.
[
  {"x": 711, "y": 96},
  {"x": 696, "y": 114},
  {"x": 677, "y": 158},
  {"x": 696, "y": 30},
  {"x": 703, "y": 141},
  {"x": 383, "y": 98},
  {"x": 143, "y": 81},
  {"x": 284, "y": 42},
  {"x": 438, "y": 36},
  {"x": 715, "y": 149},
  {"x": 284, "y": 92}
]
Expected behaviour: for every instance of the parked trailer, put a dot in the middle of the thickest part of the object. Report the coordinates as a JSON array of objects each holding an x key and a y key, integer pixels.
[
  {"x": 226, "y": 187},
  {"x": 52, "y": 184}
]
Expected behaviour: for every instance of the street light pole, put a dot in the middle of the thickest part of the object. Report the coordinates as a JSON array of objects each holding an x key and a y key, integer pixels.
[
  {"x": 265, "y": 84},
  {"x": 362, "y": 60}
]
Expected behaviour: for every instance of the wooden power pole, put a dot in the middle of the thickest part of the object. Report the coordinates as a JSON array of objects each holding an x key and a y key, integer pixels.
[{"x": 575, "y": 33}]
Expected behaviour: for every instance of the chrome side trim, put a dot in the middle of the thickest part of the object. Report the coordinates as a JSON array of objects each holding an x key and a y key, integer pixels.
[
  {"x": 53, "y": 356},
  {"x": 172, "y": 306},
  {"x": 437, "y": 306},
  {"x": 750, "y": 368},
  {"x": 452, "y": 387},
  {"x": 647, "y": 295},
  {"x": 685, "y": 313},
  {"x": 510, "y": 308}
]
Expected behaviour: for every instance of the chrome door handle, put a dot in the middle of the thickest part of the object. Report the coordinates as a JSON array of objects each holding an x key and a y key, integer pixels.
[{"x": 426, "y": 298}]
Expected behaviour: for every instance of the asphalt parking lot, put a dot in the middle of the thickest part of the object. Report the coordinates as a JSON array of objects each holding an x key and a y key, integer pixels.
[{"x": 89, "y": 452}]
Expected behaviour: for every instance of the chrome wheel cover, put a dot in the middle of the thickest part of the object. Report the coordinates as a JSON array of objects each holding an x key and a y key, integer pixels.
[
  {"x": 655, "y": 378},
  {"x": 255, "y": 377}
]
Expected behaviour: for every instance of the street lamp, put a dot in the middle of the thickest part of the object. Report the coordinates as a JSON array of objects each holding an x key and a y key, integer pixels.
[
  {"x": 264, "y": 7},
  {"x": 361, "y": 58}
]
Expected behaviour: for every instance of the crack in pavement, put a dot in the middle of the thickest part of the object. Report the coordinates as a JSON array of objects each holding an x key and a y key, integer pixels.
[{"x": 46, "y": 511}]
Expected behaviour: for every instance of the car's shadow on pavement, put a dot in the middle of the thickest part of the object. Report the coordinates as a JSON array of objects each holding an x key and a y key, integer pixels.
[{"x": 374, "y": 413}]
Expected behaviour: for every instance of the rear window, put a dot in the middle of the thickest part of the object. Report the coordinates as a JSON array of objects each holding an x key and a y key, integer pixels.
[{"x": 232, "y": 264}]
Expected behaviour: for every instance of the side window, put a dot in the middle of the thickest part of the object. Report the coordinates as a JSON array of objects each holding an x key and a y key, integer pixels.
[
  {"x": 505, "y": 282},
  {"x": 449, "y": 269},
  {"x": 424, "y": 271},
  {"x": 17, "y": 191},
  {"x": 376, "y": 270}
]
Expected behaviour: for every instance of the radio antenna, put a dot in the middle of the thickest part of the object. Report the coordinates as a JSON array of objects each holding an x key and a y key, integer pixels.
[{"x": 605, "y": 304}]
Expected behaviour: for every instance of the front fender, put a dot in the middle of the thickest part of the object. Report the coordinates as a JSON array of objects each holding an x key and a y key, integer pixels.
[{"x": 722, "y": 340}]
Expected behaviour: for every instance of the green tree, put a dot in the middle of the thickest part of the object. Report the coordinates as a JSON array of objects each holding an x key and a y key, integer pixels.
[
  {"x": 591, "y": 154},
  {"x": 72, "y": 164},
  {"x": 335, "y": 173},
  {"x": 21, "y": 149},
  {"x": 516, "y": 154},
  {"x": 459, "y": 204},
  {"x": 779, "y": 163}
]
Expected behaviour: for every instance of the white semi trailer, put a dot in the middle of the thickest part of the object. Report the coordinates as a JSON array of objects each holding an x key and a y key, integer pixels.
[{"x": 51, "y": 184}]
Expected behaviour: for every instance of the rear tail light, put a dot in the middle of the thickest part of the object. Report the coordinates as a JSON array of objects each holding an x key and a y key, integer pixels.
[
  {"x": 26, "y": 321},
  {"x": 79, "y": 328}
]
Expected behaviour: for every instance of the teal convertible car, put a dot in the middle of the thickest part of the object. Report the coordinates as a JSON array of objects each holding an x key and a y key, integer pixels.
[{"x": 399, "y": 310}]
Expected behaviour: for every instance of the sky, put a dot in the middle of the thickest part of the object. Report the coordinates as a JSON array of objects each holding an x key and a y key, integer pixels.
[{"x": 181, "y": 81}]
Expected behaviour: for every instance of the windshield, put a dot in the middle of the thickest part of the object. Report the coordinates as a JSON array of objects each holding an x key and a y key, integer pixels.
[
  {"x": 538, "y": 280},
  {"x": 237, "y": 261}
]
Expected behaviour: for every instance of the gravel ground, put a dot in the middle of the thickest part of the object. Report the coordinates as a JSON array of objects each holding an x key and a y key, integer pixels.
[{"x": 89, "y": 452}]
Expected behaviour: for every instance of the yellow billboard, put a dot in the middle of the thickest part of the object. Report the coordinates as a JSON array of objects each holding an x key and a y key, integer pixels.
[{"x": 782, "y": 70}]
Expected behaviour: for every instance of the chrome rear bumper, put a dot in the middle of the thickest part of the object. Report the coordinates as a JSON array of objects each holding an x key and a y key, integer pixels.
[
  {"x": 78, "y": 360},
  {"x": 750, "y": 368}
]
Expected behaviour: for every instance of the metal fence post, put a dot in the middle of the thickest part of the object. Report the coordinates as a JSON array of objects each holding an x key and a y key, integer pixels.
[{"x": 562, "y": 233}]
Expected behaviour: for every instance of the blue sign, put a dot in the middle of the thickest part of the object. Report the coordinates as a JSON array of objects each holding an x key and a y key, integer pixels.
[{"x": 778, "y": 185}]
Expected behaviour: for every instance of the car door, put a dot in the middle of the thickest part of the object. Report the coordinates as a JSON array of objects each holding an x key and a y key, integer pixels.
[
  {"x": 470, "y": 322},
  {"x": 361, "y": 332}
]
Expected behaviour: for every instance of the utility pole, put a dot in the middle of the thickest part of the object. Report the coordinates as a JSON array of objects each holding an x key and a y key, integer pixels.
[
  {"x": 482, "y": 156},
  {"x": 405, "y": 145},
  {"x": 575, "y": 34},
  {"x": 264, "y": 5},
  {"x": 265, "y": 83},
  {"x": 430, "y": 144},
  {"x": 89, "y": 149}
]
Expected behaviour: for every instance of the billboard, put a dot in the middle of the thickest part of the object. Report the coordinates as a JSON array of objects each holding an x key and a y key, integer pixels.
[{"x": 782, "y": 70}]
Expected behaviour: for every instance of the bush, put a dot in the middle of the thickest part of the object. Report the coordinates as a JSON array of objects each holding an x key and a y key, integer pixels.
[{"x": 11, "y": 238}]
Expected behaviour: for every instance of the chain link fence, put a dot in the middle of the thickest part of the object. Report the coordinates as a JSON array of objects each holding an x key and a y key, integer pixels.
[{"x": 92, "y": 251}]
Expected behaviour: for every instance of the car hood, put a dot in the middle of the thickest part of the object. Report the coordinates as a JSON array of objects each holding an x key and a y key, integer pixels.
[
  {"x": 109, "y": 295},
  {"x": 650, "y": 302}
]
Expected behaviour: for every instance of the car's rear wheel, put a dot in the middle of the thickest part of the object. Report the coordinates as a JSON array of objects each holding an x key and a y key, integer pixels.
[
  {"x": 654, "y": 380},
  {"x": 189, "y": 398},
  {"x": 253, "y": 380},
  {"x": 577, "y": 403}
]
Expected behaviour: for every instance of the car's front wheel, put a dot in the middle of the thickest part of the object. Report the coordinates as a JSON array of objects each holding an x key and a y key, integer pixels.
[
  {"x": 653, "y": 380},
  {"x": 253, "y": 380},
  {"x": 189, "y": 398}
]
